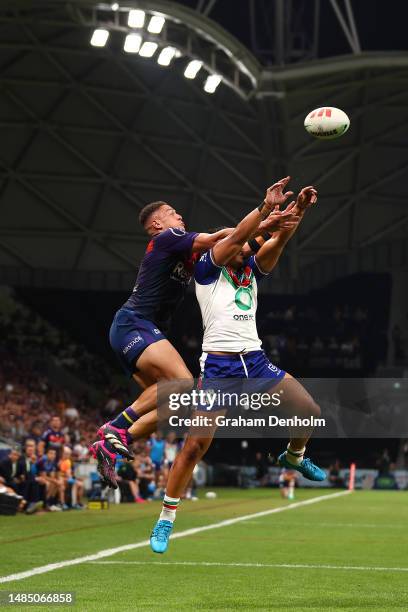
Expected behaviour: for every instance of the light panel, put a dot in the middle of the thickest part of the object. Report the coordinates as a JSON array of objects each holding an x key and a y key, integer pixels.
[
  {"x": 148, "y": 49},
  {"x": 192, "y": 69},
  {"x": 99, "y": 38},
  {"x": 212, "y": 82},
  {"x": 156, "y": 24},
  {"x": 136, "y": 18},
  {"x": 132, "y": 43},
  {"x": 166, "y": 56}
]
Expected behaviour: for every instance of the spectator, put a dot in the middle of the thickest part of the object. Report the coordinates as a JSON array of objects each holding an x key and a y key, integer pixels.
[
  {"x": 12, "y": 470},
  {"x": 170, "y": 450},
  {"x": 157, "y": 445},
  {"x": 47, "y": 470},
  {"x": 261, "y": 466},
  {"x": 53, "y": 437},
  {"x": 128, "y": 481},
  {"x": 72, "y": 484},
  {"x": 334, "y": 475}
]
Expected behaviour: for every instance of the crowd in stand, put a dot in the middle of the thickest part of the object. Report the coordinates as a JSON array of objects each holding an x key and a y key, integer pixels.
[
  {"x": 50, "y": 438},
  {"x": 305, "y": 339},
  {"x": 24, "y": 331}
]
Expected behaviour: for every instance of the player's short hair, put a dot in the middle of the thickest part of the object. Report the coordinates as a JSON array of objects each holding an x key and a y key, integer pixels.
[{"x": 148, "y": 210}]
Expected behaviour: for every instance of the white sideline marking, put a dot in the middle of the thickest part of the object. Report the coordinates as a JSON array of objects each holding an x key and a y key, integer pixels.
[
  {"x": 43, "y": 569},
  {"x": 275, "y": 565}
]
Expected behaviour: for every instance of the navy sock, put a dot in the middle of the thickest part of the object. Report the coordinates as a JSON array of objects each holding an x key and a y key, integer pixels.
[{"x": 125, "y": 419}]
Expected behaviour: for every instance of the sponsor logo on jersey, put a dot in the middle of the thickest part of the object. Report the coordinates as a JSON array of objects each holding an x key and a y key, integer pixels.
[
  {"x": 243, "y": 317},
  {"x": 180, "y": 274},
  {"x": 132, "y": 343},
  {"x": 150, "y": 247},
  {"x": 156, "y": 331}
]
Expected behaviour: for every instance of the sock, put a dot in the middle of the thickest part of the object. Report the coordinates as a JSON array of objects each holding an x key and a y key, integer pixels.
[
  {"x": 169, "y": 508},
  {"x": 125, "y": 419},
  {"x": 295, "y": 456}
]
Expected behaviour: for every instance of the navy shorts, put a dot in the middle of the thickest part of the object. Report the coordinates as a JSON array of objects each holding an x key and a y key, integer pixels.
[
  {"x": 130, "y": 335},
  {"x": 255, "y": 372}
]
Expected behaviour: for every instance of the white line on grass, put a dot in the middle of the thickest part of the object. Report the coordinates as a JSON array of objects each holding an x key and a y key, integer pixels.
[
  {"x": 43, "y": 569},
  {"x": 274, "y": 565}
]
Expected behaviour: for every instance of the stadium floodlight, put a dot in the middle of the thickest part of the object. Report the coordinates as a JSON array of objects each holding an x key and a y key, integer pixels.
[
  {"x": 192, "y": 69},
  {"x": 132, "y": 43},
  {"x": 136, "y": 18},
  {"x": 212, "y": 82},
  {"x": 156, "y": 24},
  {"x": 166, "y": 55},
  {"x": 99, "y": 38},
  {"x": 148, "y": 49},
  {"x": 115, "y": 6}
]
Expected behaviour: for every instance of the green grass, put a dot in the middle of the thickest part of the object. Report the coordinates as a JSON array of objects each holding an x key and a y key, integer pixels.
[{"x": 366, "y": 528}]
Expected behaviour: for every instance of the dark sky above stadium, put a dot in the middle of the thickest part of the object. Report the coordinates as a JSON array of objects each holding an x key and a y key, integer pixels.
[{"x": 381, "y": 24}]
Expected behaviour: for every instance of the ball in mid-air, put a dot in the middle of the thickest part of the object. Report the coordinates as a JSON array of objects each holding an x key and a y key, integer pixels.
[{"x": 327, "y": 123}]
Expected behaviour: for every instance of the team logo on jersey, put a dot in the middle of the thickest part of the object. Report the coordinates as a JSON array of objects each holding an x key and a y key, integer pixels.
[
  {"x": 177, "y": 231},
  {"x": 243, "y": 298},
  {"x": 150, "y": 246}
]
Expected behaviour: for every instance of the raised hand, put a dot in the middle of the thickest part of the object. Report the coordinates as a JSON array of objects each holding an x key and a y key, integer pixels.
[
  {"x": 280, "y": 220},
  {"x": 306, "y": 198},
  {"x": 275, "y": 197}
]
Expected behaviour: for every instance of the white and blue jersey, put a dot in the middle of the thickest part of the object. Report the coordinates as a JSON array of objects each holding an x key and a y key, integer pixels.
[{"x": 228, "y": 303}]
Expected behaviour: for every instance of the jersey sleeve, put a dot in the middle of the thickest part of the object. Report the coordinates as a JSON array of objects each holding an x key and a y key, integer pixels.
[
  {"x": 257, "y": 270},
  {"x": 206, "y": 270},
  {"x": 175, "y": 240}
]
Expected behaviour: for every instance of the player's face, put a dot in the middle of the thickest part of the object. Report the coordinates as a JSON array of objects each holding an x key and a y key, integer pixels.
[
  {"x": 168, "y": 217},
  {"x": 237, "y": 261}
]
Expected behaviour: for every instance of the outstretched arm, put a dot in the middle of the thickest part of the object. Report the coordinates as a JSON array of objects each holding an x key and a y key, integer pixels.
[
  {"x": 224, "y": 250},
  {"x": 269, "y": 254},
  {"x": 205, "y": 242}
]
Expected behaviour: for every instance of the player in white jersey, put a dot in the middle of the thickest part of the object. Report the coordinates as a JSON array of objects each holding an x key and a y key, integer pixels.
[{"x": 226, "y": 288}]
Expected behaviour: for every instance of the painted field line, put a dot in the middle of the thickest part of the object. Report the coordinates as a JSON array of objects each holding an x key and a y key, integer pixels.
[
  {"x": 109, "y": 552},
  {"x": 361, "y": 568}
]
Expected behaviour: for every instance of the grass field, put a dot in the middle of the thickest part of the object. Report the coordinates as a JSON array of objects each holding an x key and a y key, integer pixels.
[{"x": 337, "y": 542}]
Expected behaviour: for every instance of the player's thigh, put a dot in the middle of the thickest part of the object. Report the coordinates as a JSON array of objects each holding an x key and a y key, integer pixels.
[
  {"x": 161, "y": 361},
  {"x": 294, "y": 395}
]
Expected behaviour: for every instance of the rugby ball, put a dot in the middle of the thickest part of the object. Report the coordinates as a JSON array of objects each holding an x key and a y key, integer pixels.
[
  {"x": 211, "y": 495},
  {"x": 327, "y": 123}
]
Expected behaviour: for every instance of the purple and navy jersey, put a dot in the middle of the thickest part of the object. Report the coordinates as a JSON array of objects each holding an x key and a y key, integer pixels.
[
  {"x": 53, "y": 439},
  {"x": 163, "y": 277}
]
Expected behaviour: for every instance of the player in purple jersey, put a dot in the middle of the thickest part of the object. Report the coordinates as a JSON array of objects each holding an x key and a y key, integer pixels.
[{"x": 137, "y": 334}]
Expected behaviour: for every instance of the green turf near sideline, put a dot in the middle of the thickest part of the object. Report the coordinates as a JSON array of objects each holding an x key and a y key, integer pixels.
[{"x": 366, "y": 529}]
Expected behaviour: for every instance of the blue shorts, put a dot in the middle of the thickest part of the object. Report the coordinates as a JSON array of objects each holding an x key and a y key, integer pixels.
[
  {"x": 130, "y": 335},
  {"x": 255, "y": 372}
]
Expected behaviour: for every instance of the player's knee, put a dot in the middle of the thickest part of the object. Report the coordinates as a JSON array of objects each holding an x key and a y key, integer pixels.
[{"x": 194, "y": 450}]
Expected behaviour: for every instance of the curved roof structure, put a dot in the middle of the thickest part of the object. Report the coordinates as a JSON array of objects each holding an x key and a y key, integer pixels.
[{"x": 92, "y": 134}]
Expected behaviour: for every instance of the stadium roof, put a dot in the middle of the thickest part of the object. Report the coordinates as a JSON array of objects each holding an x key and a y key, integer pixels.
[{"x": 92, "y": 134}]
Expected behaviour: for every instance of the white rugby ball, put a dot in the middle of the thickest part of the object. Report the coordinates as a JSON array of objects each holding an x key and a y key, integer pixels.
[
  {"x": 211, "y": 495},
  {"x": 327, "y": 123}
]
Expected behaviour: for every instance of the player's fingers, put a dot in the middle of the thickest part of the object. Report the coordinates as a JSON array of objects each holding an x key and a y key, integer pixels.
[
  {"x": 290, "y": 206},
  {"x": 288, "y": 194}
]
